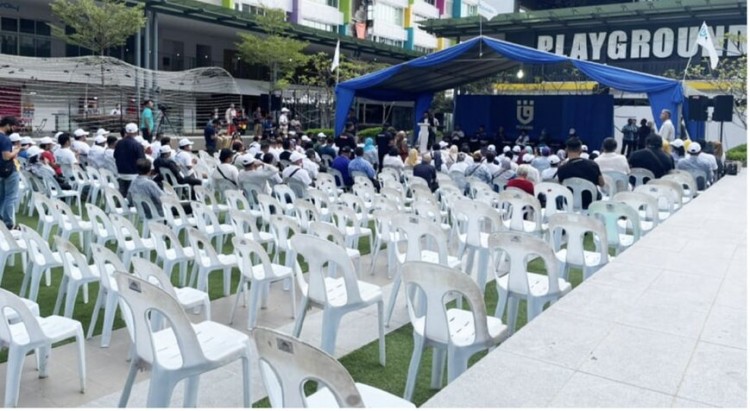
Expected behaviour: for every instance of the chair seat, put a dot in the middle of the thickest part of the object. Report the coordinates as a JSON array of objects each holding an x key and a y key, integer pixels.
[
  {"x": 4, "y": 246},
  {"x": 40, "y": 260},
  {"x": 64, "y": 193},
  {"x": 363, "y": 231},
  {"x": 645, "y": 225},
  {"x": 336, "y": 291},
  {"x": 483, "y": 239},
  {"x": 353, "y": 252},
  {"x": 82, "y": 224},
  {"x": 538, "y": 284},
  {"x": 461, "y": 327},
  {"x": 590, "y": 258},
  {"x": 278, "y": 271},
  {"x": 190, "y": 297},
  {"x": 224, "y": 229},
  {"x": 626, "y": 240},
  {"x": 54, "y": 327},
  {"x": 217, "y": 342},
  {"x": 433, "y": 257},
  {"x": 371, "y": 398},
  {"x": 224, "y": 260},
  {"x": 190, "y": 221},
  {"x": 171, "y": 253},
  {"x": 148, "y": 244}
]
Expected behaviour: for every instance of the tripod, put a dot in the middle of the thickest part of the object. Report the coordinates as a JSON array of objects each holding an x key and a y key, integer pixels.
[{"x": 164, "y": 121}]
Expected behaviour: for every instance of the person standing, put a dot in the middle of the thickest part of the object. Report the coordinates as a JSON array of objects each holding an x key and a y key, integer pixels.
[
  {"x": 666, "y": 131},
  {"x": 284, "y": 121},
  {"x": 257, "y": 122},
  {"x": 209, "y": 133},
  {"x": 9, "y": 176},
  {"x": 127, "y": 152},
  {"x": 229, "y": 117},
  {"x": 147, "y": 121},
  {"x": 384, "y": 141},
  {"x": 643, "y": 132},
  {"x": 629, "y": 137}
]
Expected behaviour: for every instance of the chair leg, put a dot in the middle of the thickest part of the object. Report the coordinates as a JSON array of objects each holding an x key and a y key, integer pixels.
[
  {"x": 16, "y": 358},
  {"x": 109, "y": 318},
  {"x": 302, "y": 311},
  {"x": 95, "y": 314},
  {"x": 330, "y": 329},
  {"x": 252, "y": 308},
  {"x": 392, "y": 299},
  {"x": 246, "y": 384},
  {"x": 416, "y": 357},
  {"x": 227, "y": 280},
  {"x": 438, "y": 366},
  {"x": 458, "y": 361},
  {"x": 381, "y": 333},
  {"x": 512, "y": 313},
  {"x": 191, "y": 391},
  {"x": 60, "y": 293},
  {"x": 502, "y": 300},
  {"x": 81, "y": 357},
  {"x": 159, "y": 391},
  {"x": 70, "y": 299}
]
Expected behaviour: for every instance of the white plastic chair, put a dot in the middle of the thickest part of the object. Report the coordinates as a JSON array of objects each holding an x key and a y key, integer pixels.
[
  {"x": 11, "y": 245},
  {"x": 639, "y": 176},
  {"x": 287, "y": 363},
  {"x": 97, "y": 182},
  {"x": 523, "y": 212},
  {"x": 189, "y": 298},
  {"x": 610, "y": 213},
  {"x": 329, "y": 232},
  {"x": 454, "y": 334},
  {"x": 245, "y": 226},
  {"x": 620, "y": 179},
  {"x": 689, "y": 184},
  {"x": 101, "y": 226},
  {"x": 42, "y": 260},
  {"x": 207, "y": 260},
  {"x": 58, "y": 193},
  {"x": 575, "y": 226},
  {"x": 236, "y": 200},
  {"x": 206, "y": 197},
  {"x": 116, "y": 204},
  {"x": 147, "y": 212},
  {"x": 557, "y": 198},
  {"x": 175, "y": 215},
  {"x": 129, "y": 241},
  {"x": 647, "y": 207},
  {"x": 664, "y": 196},
  {"x": 259, "y": 277},
  {"x": 46, "y": 213},
  {"x": 77, "y": 272},
  {"x": 183, "y": 351},
  {"x": 208, "y": 224},
  {"x": 384, "y": 235},
  {"x": 322, "y": 203},
  {"x": 580, "y": 186},
  {"x": 286, "y": 197},
  {"x": 520, "y": 284},
  {"x": 170, "y": 251},
  {"x": 184, "y": 190},
  {"x": 676, "y": 189},
  {"x": 106, "y": 262},
  {"x": 305, "y": 213},
  {"x": 34, "y": 333},
  {"x": 69, "y": 223},
  {"x": 474, "y": 221},
  {"x": 347, "y": 222},
  {"x": 336, "y": 296}
]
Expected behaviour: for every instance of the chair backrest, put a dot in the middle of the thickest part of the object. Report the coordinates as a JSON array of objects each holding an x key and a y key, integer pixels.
[
  {"x": 125, "y": 230},
  {"x": 521, "y": 249},
  {"x": 284, "y": 194},
  {"x": 428, "y": 210},
  {"x": 45, "y": 206},
  {"x": 575, "y": 226},
  {"x": 168, "y": 176},
  {"x": 344, "y": 217},
  {"x": 319, "y": 199},
  {"x": 243, "y": 223},
  {"x": 639, "y": 176},
  {"x": 247, "y": 250},
  {"x": 327, "y": 231},
  {"x": 610, "y": 212},
  {"x": 205, "y": 195},
  {"x": 326, "y": 182},
  {"x": 557, "y": 197},
  {"x": 354, "y": 203},
  {"x": 362, "y": 180},
  {"x": 459, "y": 178},
  {"x": 664, "y": 195},
  {"x": 298, "y": 187},
  {"x": 305, "y": 212},
  {"x": 326, "y": 159},
  {"x": 75, "y": 264},
  {"x": 164, "y": 239},
  {"x": 701, "y": 178},
  {"x": 252, "y": 191},
  {"x": 269, "y": 206},
  {"x": 393, "y": 195},
  {"x": 152, "y": 273},
  {"x": 620, "y": 179},
  {"x": 204, "y": 216},
  {"x": 110, "y": 179},
  {"x": 287, "y": 364},
  {"x": 169, "y": 190},
  {"x": 687, "y": 182},
  {"x": 114, "y": 200},
  {"x": 99, "y": 220},
  {"x": 419, "y": 191},
  {"x": 519, "y": 205},
  {"x": 202, "y": 248},
  {"x": 104, "y": 258},
  {"x": 640, "y": 201},
  {"x": 337, "y": 176},
  {"x": 580, "y": 186},
  {"x": 473, "y": 215},
  {"x": 36, "y": 184},
  {"x": 420, "y": 233},
  {"x": 382, "y": 202},
  {"x": 222, "y": 186},
  {"x": 8, "y": 242},
  {"x": 10, "y": 303},
  {"x": 283, "y": 228},
  {"x": 145, "y": 208},
  {"x": 429, "y": 287},
  {"x": 236, "y": 200},
  {"x": 674, "y": 186},
  {"x": 320, "y": 253},
  {"x": 142, "y": 299},
  {"x": 38, "y": 248},
  {"x": 365, "y": 191}
]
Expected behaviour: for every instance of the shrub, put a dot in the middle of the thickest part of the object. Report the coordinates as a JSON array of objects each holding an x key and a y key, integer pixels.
[
  {"x": 738, "y": 153},
  {"x": 313, "y": 132},
  {"x": 369, "y": 132}
]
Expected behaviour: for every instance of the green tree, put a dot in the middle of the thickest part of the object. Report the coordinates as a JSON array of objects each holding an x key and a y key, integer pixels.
[{"x": 274, "y": 49}]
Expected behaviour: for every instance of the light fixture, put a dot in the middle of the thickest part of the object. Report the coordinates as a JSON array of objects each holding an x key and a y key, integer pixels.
[{"x": 520, "y": 73}]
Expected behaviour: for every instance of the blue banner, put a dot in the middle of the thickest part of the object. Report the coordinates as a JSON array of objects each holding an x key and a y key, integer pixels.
[{"x": 592, "y": 116}]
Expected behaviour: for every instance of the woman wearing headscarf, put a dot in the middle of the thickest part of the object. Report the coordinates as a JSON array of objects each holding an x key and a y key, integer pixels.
[
  {"x": 371, "y": 152},
  {"x": 451, "y": 158}
]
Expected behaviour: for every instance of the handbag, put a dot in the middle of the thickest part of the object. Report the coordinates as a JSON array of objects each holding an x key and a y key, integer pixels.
[{"x": 7, "y": 167}]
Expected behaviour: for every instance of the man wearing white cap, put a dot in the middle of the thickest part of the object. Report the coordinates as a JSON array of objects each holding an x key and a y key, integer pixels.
[
  {"x": 127, "y": 152},
  {"x": 96, "y": 153},
  {"x": 65, "y": 156},
  {"x": 693, "y": 164},
  {"x": 79, "y": 146},
  {"x": 185, "y": 158},
  {"x": 25, "y": 142},
  {"x": 550, "y": 174},
  {"x": 258, "y": 173},
  {"x": 295, "y": 170},
  {"x": 284, "y": 121}
]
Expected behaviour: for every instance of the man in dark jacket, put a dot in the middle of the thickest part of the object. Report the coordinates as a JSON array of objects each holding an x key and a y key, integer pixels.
[
  {"x": 652, "y": 157},
  {"x": 427, "y": 171}
]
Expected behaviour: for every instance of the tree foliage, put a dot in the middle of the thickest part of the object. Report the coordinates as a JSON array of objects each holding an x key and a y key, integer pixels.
[
  {"x": 97, "y": 25},
  {"x": 274, "y": 49}
]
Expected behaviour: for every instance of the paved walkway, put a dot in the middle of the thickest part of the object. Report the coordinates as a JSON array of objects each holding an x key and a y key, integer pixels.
[{"x": 662, "y": 325}]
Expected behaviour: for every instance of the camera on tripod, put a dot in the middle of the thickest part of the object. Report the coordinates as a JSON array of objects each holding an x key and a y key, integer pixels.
[{"x": 163, "y": 107}]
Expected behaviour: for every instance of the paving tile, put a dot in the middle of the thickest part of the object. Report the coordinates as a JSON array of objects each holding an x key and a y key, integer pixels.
[
  {"x": 589, "y": 391},
  {"x": 643, "y": 358},
  {"x": 560, "y": 338},
  {"x": 663, "y": 312},
  {"x": 626, "y": 276},
  {"x": 690, "y": 291},
  {"x": 683, "y": 403},
  {"x": 596, "y": 301},
  {"x": 726, "y": 326},
  {"x": 716, "y": 375},
  {"x": 733, "y": 292},
  {"x": 503, "y": 380}
]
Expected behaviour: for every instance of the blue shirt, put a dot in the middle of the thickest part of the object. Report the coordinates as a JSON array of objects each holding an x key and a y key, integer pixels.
[
  {"x": 147, "y": 119},
  {"x": 341, "y": 164},
  {"x": 362, "y": 165},
  {"x": 127, "y": 152}
]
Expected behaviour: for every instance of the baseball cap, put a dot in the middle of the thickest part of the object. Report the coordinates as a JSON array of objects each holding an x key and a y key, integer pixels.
[
  {"x": 248, "y": 159},
  {"x": 516, "y": 149},
  {"x": 528, "y": 157},
  {"x": 26, "y": 141},
  {"x": 14, "y": 137},
  {"x": 284, "y": 110},
  {"x": 80, "y": 132},
  {"x": 295, "y": 156},
  {"x": 45, "y": 140},
  {"x": 305, "y": 137},
  {"x": 506, "y": 149},
  {"x": 102, "y": 132},
  {"x": 100, "y": 139},
  {"x": 554, "y": 159},
  {"x": 33, "y": 151},
  {"x": 596, "y": 152},
  {"x": 677, "y": 143},
  {"x": 131, "y": 128},
  {"x": 185, "y": 142},
  {"x": 321, "y": 135},
  {"x": 292, "y": 133},
  {"x": 491, "y": 147},
  {"x": 58, "y": 134},
  {"x": 165, "y": 149},
  {"x": 443, "y": 144},
  {"x": 584, "y": 148},
  {"x": 694, "y": 148}
]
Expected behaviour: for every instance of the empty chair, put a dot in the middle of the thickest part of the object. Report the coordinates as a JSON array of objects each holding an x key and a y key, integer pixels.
[
  {"x": 581, "y": 187},
  {"x": 170, "y": 251},
  {"x": 206, "y": 197},
  {"x": 520, "y": 284},
  {"x": 336, "y": 296},
  {"x": 522, "y": 212},
  {"x": 106, "y": 263},
  {"x": 258, "y": 277},
  {"x": 305, "y": 213},
  {"x": 384, "y": 235},
  {"x": 474, "y": 221},
  {"x": 620, "y": 179},
  {"x": 41, "y": 259},
  {"x": 557, "y": 198},
  {"x": 689, "y": 185},
  {"x": 329, "y": 232},
  {"x": 647, "y": 207},
  {"x": 321, "y": 201},
  {"x": 207, "y": 260},
  {"x": 575, "y": 227},
  {"x": 77, "y": 272},
  {"x": 69, "y": 223},
  {"x": 116, "y": 203},
  {"x": 188, "y": 297},
  {"x": 286, "y": 197},
  {"x": 183, "y": 190},
  {"x": 54, "y": 190},
  {"x": 284, "y": 228},
  {"x": 33, "y": 333},
  {"x": 9, "y": 247},
  {"x": 175, "y": 216},
  {"x": 96, "y": 182},
  {"x": 101, "y": 227},
  {"x": 245, "y": 226},
  {"x": 611, "y": 213},
  {"x": 129, "y": 240},
  {"x": 454, "y": 334},
  {"x": 47, "y": 214},
  {"x": 184, "y": 351},
  {"x": 665, "y": 197},
  {"x": 702, "y": 181},
  {"x": 287, "y": 364},
  {"x": 350, "y": 225},
  {"x": 208, "y": 224},
  {"x": 639, "y": 176},
  {"x": 675, "y": 187}
]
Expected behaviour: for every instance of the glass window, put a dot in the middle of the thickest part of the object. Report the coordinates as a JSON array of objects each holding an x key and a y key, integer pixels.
[
  {"x": 10, "y": 24},
  {"x": 42, "y": 28},
  {"x": 43, "y": 47},
  {"x": 28, "y": 26},
  {"x": 26, "y": 46},
  {"x": 389, "y": 14},
  {"x": 9, "y": 44}
]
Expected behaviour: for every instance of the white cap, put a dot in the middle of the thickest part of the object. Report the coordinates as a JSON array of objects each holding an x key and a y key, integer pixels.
[
  {"x": 528, "y": 149},
  {"x": 80, "y": 132},
  {"x": 506, "y": 149},
  {"x": 58, "y": 134},
  {"x": 26, "y": 141},
  {"x": 15, "y": 137},
  {"x": 165, "y": 149},
  {"x": 100, "y": 139},
  {"x": 295, "y": 157},
  {"x": 528, "y": 157},
  {"x": 585, "y": 148},
  {"x": 677, "y": 143},
  {"x": 516, "y": 149},
  {"x": 131, "y": 128},
  {"x": 572, "y": 131},
  {"x": 596, "y": 152},
  {"x": 102, "y": 132},
  {"x": 694, "y": 148},
  {"x": 248, "y": 159},
  {"x": 491, "y": 147},
  {"x": 33, "y": 151},
  {"x": 554, "y": 159},
  {"x": 185, "y": 142},
  {"x": 443, "y": 144},
  {"x": 321, "y": 135},
  {"x": 45, "y": 140},
  {"x": 284, "y": 110},
  {"x": 305, "y": 137}
]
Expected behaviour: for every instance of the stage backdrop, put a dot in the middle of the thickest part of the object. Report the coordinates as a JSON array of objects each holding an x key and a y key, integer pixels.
[{"x": 591, "y": 116}]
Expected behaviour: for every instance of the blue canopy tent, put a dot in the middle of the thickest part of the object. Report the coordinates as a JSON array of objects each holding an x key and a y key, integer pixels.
[{"x": 417, "y": 80}]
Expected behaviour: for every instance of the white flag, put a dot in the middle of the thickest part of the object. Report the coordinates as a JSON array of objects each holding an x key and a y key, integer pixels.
[
  {"x": 704, "y": 40},
  {"x": 335, "y": 62}
]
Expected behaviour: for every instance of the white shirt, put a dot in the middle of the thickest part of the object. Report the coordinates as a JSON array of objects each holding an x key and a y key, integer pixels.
[
  {"x": 115, "y": 112},
  {"x": 283, "y": 120},
  {"x": 230, "y": 172},
  {"x": 185, "y": 160},
  {"x": 667, "y": 130},
  {"x": 549, "y": 174},
  {"x": 65, "y": 156},
  {"x": 459, "y": 166},
  {"x": 311, "y": 168},
  {"x": 230, "y": 114},
  {"x": 613, "y": 162},
  {"x": 300, "y": 175},
  {"x": 80, "y": 147},
  {"x": 394, "y": 162},
  {"x": 95, "y": 154}
]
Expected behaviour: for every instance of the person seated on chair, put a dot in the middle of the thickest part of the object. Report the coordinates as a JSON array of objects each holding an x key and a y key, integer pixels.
[
  {"x": 108, "y": 159},
  {"x": 185, "y": 158},
  {"x": 577, "y": 166},
  {"x": 286, "y": 145},
  {"x": 427, "y": 171},
  {"x": 79, "y": 146},
  {"x": 393, "y": 160},
  {"x": 521, "y": 181},
  {"x": 166, "y": 161},
  {"x": 96, "y": 152},
  {"x": 550, "y": 174},
  {"x": 39, "y": 167},
  {"x": 295, "y": 170},
  {"x": 144, "y": 185},
  {"x": 341, "y": 163},
  {"x": 226, "y": 169},
  {"x": 610, "y": 160},
  {"x": 478, "y": 169},
  {"x": 693, "y": 162},
  {"x": 258, "y": 172},
  {"x": 652, "y": 157},
  {"x": 311, "y": 163},
  {"x": 64, "y": 155}
]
